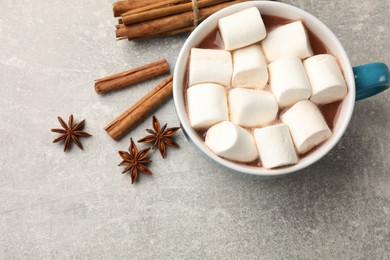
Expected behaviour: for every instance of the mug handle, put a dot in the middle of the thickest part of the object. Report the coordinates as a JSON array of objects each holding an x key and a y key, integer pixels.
[{"x": 371, "y": 79}]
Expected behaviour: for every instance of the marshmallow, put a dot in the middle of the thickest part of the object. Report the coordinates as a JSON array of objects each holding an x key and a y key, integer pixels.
[
  {"x": 307, "y": 126},
  {"x": 288, "y": 81},
  {"x": 275, "y": 146},
  {"x": 231, "y": 142},
  {"x": 242, "y": 29},
  {"x": 249, "y": 68},
  {"x": 213, "y": 66},
  {"x": 286, "y": 41},
  {"x": 207, "y": 105},
  {"x": 251, "y": 108},
  {"x": 326, "y": 79}
]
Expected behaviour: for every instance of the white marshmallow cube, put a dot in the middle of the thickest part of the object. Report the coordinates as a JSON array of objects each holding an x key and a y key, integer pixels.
[
  {"x": 288, "y": 81},
  {"x": 252, "y": 108},
  {"x": 307, "y": 126},
  {"x": 286, "y": 41},
  {"x": 210, "y": 66},
  {"x": 232, "y": 142},
  {"x": 207, "y": 105},
  {"x": 249, "y": 68},
  {"x": 242, "y": 28},
  {"x": 275, "y": 146},
  {"x": 326, "y": 80}
]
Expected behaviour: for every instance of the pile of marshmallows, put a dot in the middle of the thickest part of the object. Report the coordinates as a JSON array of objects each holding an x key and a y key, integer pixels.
[{"x": 236, "y": 94}]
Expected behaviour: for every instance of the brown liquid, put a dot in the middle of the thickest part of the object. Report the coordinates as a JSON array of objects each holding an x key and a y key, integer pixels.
[
  {"x": 330, "y": 111},
  {"x": 212, "y": 41}
]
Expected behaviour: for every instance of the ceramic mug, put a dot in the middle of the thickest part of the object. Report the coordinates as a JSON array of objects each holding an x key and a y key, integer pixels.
[{"x": 362, "y": 81}]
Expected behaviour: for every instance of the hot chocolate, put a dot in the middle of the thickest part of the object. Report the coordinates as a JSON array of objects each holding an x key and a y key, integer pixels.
[{"x": 293, "y": 137}]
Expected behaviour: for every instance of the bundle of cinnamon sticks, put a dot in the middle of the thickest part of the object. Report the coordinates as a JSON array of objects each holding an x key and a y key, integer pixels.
[{"x": 154, "y": 18}]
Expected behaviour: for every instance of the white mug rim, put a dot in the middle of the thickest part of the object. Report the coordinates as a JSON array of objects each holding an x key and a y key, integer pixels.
[{"x": 310, "y": 20}]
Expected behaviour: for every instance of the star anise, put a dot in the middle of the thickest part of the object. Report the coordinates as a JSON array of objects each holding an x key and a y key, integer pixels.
[
  {"x": 70, "y": 133},
  {"x": 160, "y": 137},
  {"x": 135, "y": 161}
]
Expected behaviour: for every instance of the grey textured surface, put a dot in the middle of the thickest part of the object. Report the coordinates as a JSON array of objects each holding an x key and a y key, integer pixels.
[{"x": 78, "y": 206}]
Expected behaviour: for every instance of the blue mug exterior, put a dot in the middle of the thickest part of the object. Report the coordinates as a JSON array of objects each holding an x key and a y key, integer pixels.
[{"x": 371, "y": 79}]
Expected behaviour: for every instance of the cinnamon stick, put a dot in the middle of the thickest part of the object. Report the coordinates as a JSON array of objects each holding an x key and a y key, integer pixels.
[
  {"x": 153, "y": 6},
  {"x": 140, "y": 110},
  {"x": 131, "y": 77},
  {"x": 164, "y": 34},
  {"x": 169, "y": 23},
  {"x": 121, "y": 7},
  {"x": 166, "y": 11},
  {"x": 177, "y": 31}
]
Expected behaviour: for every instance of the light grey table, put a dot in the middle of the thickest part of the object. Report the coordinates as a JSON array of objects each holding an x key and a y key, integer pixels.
[{"x": 77, "y": 205}]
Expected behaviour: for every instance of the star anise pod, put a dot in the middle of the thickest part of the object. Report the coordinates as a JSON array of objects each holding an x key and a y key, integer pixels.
[
  {"x": 70, "y": 133},
  {"x": 135, "y": 161},
  {"x": 160, "y": 137}
]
